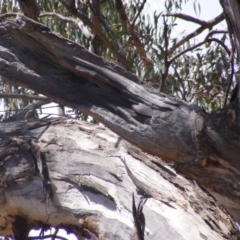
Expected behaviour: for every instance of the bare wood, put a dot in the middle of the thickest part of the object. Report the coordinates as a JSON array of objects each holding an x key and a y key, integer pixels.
[
  {"x": 203, "y": 147},
  {"x": 93, "y": 175}
]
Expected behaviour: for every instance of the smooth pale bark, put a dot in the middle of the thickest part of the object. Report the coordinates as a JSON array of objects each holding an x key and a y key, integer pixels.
[{"x": 93, "y": 174}]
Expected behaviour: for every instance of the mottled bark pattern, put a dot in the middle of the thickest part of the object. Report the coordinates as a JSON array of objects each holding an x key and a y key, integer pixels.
[{"x": 94, "y": 174}]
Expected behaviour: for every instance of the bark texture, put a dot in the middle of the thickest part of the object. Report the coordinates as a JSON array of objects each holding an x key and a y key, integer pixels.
[
  {"x": 93, "y": 174},
  {"x": 203, "y": 147}
]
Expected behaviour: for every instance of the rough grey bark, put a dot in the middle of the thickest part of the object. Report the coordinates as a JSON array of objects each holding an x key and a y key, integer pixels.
[
  {"x": 93, "y": 174},
  {"x": 203, "y": 147}
]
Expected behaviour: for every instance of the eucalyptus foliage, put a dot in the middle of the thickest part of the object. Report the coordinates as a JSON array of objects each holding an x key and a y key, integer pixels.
[{"x": 200, "y": 76}]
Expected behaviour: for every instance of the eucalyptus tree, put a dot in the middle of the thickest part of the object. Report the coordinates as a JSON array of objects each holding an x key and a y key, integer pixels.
[{"x": 90, "y": 181}]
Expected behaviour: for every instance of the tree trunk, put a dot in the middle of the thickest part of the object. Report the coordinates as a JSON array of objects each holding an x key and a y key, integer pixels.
[
  {"x": 99, "y": 169},
  {"x": 204, "y": 147},
  {"x": 93, "y": 175}
]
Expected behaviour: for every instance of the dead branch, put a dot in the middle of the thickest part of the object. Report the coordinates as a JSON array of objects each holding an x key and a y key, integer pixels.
[{"x": 159, "y": 124}]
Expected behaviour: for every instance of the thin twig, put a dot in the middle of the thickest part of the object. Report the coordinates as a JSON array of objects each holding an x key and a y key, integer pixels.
[
  {"x": 166, "y": 62},
  {"x": 220, "y": 43},
  {"x": 139, "y": 12},
  {"x": 55, "y": 234},
  {"x": 75, "y": 12},
  {"x": 186, "y": 18},
  {"x": 135, "y": 38},
  {"x": 84, "y": 30},
  {"x": 27, "y": 112},
  {"x": 180, "y": 80},
  {"x": 230, "y": 78},
  {"x": 46, "y": 236},
  {"x": 199, "y": 30},
  {"x": 59, "y": 16},
  {"x": 215, "y": 32},
  {"x": 198, "y": 45},
  {"x": 23, "y": 96}
]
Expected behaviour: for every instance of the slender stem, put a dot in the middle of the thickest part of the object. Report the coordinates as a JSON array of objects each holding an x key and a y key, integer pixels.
[
  {"x": 23, "y": 96},
  {"x": 198, "y": 45},
  {"x": 199, "y": 30},
  {"x": 186, "y": 18}
]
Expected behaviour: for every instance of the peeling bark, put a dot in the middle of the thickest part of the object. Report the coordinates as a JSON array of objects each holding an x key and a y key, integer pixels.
[
  {"x": 93, "y": 174},
  {"x": 203, "y": 147}
]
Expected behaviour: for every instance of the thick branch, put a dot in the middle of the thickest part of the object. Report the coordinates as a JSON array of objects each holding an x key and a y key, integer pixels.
[
  {"x": 7, "y": 15},
  {"x": 203, "y": 148},
  {"x": 198, "y": 45},
  {"x": 93, "y": 174}
]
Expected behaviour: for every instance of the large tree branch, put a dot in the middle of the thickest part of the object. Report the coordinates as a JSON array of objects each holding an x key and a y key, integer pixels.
[
  {"x": 203, "y": 147},
  {"x": 93, "y": 175}
]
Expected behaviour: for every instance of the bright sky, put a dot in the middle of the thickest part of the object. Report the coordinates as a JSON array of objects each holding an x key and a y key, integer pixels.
[{"x": 209, "y": 10}]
